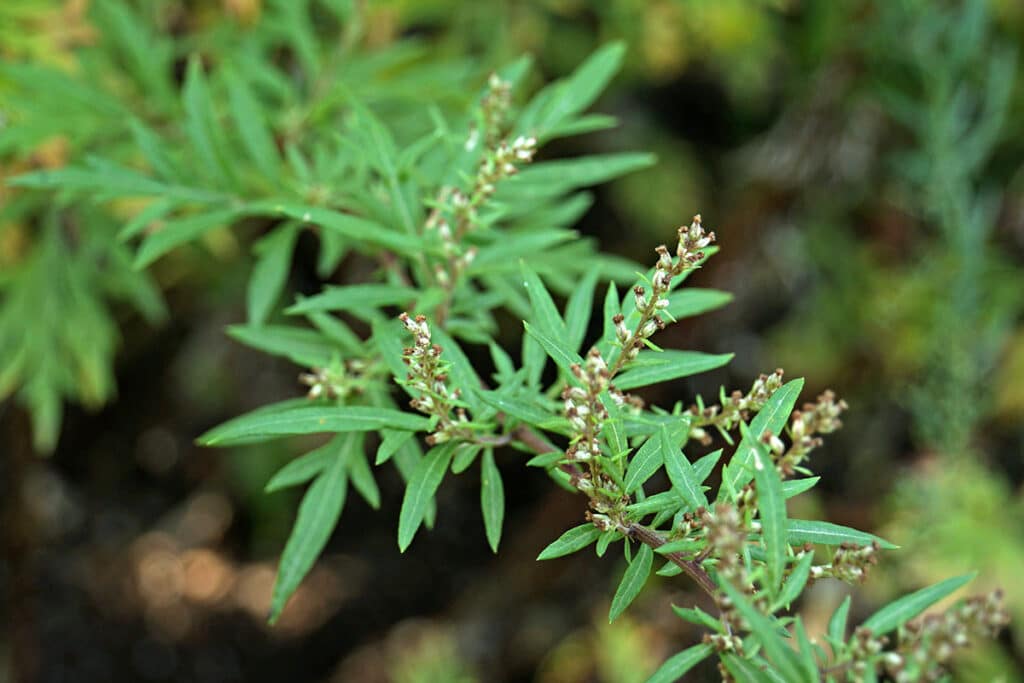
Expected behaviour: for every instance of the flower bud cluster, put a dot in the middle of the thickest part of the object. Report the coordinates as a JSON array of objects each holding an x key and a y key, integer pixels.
[
  {"x": 583, "y": 408},
  {"x": 428, "y": 376},
  {"x": 456, "y": 259},
  {"x": 691, "y": 240},
  {"x": 726, "y": 537},
  {"x": 688, "y": 254},
  {"x": 724, "y": 643},
  {"x": 850, "y": 563},
  {"x": 865, "y": 648},
  {"x": 494, "y": 107},
  {"x": 820, "y": 417},
  {"x": 734, "y": 409},
  {"x": 502, "y": 162},
  {"x": 927, "y": 645},
  {"x": 455, "y": 212},
  {"x": 337, "y": 381}
]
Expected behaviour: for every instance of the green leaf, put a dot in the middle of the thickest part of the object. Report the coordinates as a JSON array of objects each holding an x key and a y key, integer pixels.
[
  {"x": 771, "y": 505},
  {"x": 355, "y": 299},
  {"x": 302, "y": 469},
  {"x": 697, "y": 616},
  {"x": 522, "y": 407},
  {"x": 201, "y": 125},
  {"x": 644, "y": 463},
  {"x": 652, "y": 367},
  {"x": 492, "y": 498},
  {"x": 681, "y": 474},
  {"x": 504, "y": 253},
  {"x": 155, "y": 151},
  {"x": 766, "y": 630},
  {"x": 574, "y": 94},
  {"x": 270, "y": 274},
  {"x": 391, "y": 440},
  {"x": 549, "y": 179},
  {"x": 744, "y": 670},
  {"x": 383, "y": 153},
  {"x": 545, "y": 314},
  {"x": 705, "y": 465},
  {"x": 177, "y": 232},
  {"x": 691, "y": 301},
  {"x": 302, "y": 346},
  {"x": 359, "y": 470},
  {"x": 659, "y": 502},
  {"x": 317, "y": 517},
  {"x": 650, "y": 456},
  {"x": 546, "y": 460},
  {"x": 564, "y": 357},
  {"x": 633, "y": 581},
  {"x": 420, "y": 491},
  {"x": 677, "y": 665},
  {"x": 465, "y": 455},
  {"x": 610, "y": 310},
  {"x": 794, "y": 487},
  {"x": 578, "y": 309},
  {"x": 772, "y": 417},
  {"x": 314, "y": 420},
  {"x": 801, "y": 531},
  {"x": 795, "y": 582},
  {"x": 362, "y": 231},
  {"x": 571, "y": 541},
  {"x": 837, "y": 623},
  {"x": 897, "y": 613},
  {"x": 252, "y": 125}
]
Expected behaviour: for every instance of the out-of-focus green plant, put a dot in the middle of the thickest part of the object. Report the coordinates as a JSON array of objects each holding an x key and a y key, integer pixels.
[
  {"x": 925, "y": 306},
  {"x": 107, "y": 98}
]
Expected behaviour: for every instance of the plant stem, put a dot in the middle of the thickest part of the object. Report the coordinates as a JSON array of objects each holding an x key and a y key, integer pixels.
[{"x": 655, "y": 541}]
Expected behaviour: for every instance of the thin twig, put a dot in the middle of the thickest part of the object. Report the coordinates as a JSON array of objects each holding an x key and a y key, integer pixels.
[{"x": 655, "y": 541}]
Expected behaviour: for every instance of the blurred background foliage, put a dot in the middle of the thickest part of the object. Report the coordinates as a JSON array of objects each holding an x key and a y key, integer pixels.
[{"x": 861, "y": 162}]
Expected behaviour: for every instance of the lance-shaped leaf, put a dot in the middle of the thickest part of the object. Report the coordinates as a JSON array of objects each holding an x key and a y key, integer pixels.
[
  {"x": 561, "y": 101},
  {"x": 359, "y": 472},
  {"x": 423, "y": 484},
  {"x": 800, "y": 531},
  {"x": 251, "y": 124},
  {"x": 677, "y": 665},
  {"x": 633, "y": 581},
  {"x": 302, "y": 469},
  {"x": 262, "y": 425},
  {"x": 301, "y": 345},
  {"x": 682, "y": 474},
  {"x": 795, "y": 582},
  {"x": 772, "y": 417},
  {"x": 178, "y": 231},
  {"x": 578, "y": 309},
  {"x": 652, "y": 367},
  {"x": 651, "y": 454},
  {"x": 545, "y": 314},
  {"x": 317, "y": 517},
  {"x": 492, "y": 498},
  {"x": 563, "y": 356},
  {"x": 767, "y": 632},
  {"x": 771, "y": 505},
  {"x": 270, "y": 273},
  {"x": 571, "y": 541},
  {"x": 897, "y": 613},
  {"x": 355, "y": 298},
  {"x": 691, "y": 301}
]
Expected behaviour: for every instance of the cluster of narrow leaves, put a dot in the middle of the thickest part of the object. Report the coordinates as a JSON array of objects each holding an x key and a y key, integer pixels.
[
  {"x": 243, "y": 129},
  {"x": 463, "y": 228}
]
